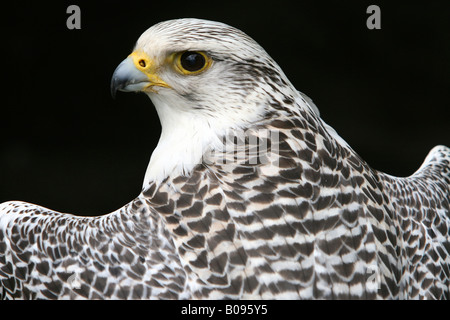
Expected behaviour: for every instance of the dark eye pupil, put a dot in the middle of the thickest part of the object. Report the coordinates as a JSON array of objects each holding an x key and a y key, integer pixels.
[{"x": 192, "y": 61}]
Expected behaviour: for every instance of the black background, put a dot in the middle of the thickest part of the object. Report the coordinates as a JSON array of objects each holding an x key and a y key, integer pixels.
[{"x": 67, "y": 145}]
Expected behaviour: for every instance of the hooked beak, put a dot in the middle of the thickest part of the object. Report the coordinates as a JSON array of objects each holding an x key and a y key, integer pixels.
[{"x": 136, "y": 73}]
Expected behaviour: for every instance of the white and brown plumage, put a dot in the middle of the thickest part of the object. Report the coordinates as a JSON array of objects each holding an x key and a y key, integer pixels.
[{"x": 307, "y": 218}]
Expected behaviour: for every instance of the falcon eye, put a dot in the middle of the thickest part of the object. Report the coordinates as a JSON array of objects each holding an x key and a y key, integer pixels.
[{"x": 192, "y": 62}]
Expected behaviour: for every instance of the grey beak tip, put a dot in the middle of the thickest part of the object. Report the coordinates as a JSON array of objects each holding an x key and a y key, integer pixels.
[
  {"x": 127, "y": 78},
  {"x": 113, "y": 88},
  {"x": 118, "y": 80}
]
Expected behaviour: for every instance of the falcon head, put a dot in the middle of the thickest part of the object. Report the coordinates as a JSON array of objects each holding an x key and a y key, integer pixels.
[
  {"x": 203, "y": 78},
  {"x": 201, "y": 67}
]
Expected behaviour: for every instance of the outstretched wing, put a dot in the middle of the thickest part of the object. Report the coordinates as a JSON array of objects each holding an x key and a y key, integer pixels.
[
  {"x": 47, "y": 254},
  {"x": 422, "y": 206}
]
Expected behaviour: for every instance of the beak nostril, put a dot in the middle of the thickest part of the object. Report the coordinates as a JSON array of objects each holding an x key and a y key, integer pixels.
[{"x": 142, "y": 63}]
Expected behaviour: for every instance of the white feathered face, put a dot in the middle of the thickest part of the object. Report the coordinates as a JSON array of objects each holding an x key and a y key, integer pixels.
[{"x": 201, "y": 67}]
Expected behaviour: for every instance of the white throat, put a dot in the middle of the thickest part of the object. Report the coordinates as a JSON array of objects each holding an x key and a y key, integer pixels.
[{"x": 185, "y": 137}]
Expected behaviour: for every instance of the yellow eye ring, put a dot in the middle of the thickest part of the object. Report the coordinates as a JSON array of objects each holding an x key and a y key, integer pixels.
[{"x": 192, "y": 62}]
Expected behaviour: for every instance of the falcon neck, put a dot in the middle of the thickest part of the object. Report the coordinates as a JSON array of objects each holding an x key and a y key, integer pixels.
[
  {"x": 185, "y": 136},
  {"x": 188, "y": 135}
]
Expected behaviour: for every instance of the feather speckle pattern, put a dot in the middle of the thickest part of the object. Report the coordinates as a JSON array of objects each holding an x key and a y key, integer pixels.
[{"x": 248, "y": 195}]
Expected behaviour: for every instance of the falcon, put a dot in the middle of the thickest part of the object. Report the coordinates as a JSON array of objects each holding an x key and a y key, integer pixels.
[{"x": 249, "y": 194}]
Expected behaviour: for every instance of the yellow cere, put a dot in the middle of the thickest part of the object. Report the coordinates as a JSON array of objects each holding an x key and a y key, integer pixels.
[{"x": 146, "y": 65}]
